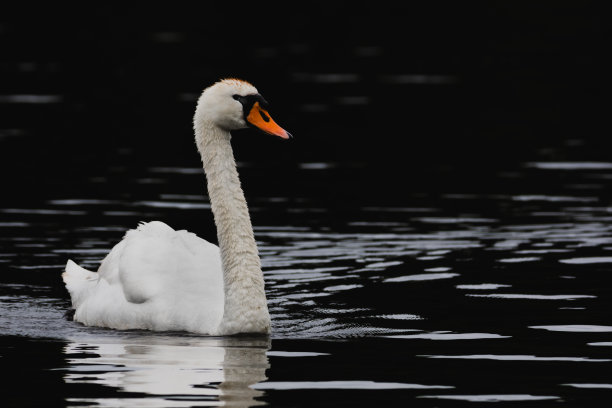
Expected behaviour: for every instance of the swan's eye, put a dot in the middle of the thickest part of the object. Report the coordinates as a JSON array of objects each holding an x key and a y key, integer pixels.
[{"x": 237, "y": 97}]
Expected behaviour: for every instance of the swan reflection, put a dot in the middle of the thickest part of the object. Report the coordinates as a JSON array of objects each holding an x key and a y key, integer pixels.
[{"x": 166, "y": 371}]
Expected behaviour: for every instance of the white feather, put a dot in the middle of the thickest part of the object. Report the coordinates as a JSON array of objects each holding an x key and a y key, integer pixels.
[
  {"x": 156, "y": 278},
  {"x": 160, "y": 279}
]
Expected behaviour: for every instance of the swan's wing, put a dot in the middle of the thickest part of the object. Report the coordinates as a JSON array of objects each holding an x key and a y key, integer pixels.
[
  {"x": 144, "y": 266},
  {"x": 156, "y": 261}
]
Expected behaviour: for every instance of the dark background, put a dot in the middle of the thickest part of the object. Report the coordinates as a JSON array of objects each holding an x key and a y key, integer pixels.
[
  {"x": 398, "y": 100},
  {"x": 422, "y": 92}
]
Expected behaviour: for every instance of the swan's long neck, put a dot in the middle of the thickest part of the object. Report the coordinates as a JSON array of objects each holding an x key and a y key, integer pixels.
[{"x": 245, "y": 306}]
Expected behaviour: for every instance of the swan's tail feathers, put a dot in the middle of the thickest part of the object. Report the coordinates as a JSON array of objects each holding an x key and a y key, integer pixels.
[{"x": 78, "y": 280}]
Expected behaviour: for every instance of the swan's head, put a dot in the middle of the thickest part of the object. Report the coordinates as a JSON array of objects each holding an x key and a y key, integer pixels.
[{"x": 235, "y": 104}]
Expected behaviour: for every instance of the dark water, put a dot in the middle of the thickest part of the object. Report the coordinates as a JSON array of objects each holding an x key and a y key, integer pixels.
[
  {"x": 438, "y": 234},
  {"x": 448, "y": 297}
]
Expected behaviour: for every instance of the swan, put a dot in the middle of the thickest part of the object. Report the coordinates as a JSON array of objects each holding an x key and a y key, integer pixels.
[{"x": 160, "y": 279}]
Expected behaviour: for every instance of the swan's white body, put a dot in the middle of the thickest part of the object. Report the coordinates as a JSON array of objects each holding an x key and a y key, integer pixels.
[
  {"x": 160, "y": 279},
  {"x": 156, "y": 278}
]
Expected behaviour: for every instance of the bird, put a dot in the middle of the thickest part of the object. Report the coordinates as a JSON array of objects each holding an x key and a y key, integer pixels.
[{"x": 160, "y": 279}]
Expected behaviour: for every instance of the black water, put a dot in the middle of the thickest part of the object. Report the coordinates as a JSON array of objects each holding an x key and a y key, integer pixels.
[{"x": 438, "y": 234}]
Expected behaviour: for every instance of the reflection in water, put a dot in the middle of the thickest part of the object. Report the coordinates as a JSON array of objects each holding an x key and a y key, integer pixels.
[
  {"x": 571, "y": 165},
  {"x": 163, "y": 371},
  {"x": 418, "y": 291},
  {"x": 450, "y": 336},
  {"x": 585, "y": 328},
  {"x": 30, "y": 98},
  {"x": 345, "y": 385},
  {"x": 590, "y": 260},
  {"x": 422, "y": 277},
  {"x": 494, "y": 398},
  {"x": 535, "y": 297},
  {"x": 521, "y": 358},
  {"x": 608, "y": 386}
]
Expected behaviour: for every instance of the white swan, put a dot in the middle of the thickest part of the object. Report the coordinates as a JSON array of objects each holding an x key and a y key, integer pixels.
[{"x": 160, "y": 279}]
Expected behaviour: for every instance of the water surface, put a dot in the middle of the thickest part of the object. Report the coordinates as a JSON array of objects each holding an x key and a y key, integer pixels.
[{"x": 448, "y": 298}]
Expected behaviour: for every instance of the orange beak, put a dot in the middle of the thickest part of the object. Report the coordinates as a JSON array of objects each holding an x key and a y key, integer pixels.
[{"x": 261, "y": 119}]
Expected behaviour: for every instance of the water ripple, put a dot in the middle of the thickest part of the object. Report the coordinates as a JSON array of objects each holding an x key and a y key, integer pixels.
[
  {"x": 509, "y": 357},
  {"x": 519, "y": 260},
  {"x": 582, "y": 328},
  {"x": 450, "y": 336},
  {"x": 422, "y": 277},
  {"x": 529, "y": 296},
  {"x": 483, "y": 286},
  {"x": 295, "y": 354},
  {"x": 588, "y": 385},
  {"x": 175, "y": 204},
  {"x": 494, "y": 397},
  {"x": 30, "y": 99},
  {"x": 342, "y": 385},
  {"x": 589, "y": 260},
  {"x": 571, "y": 165}
]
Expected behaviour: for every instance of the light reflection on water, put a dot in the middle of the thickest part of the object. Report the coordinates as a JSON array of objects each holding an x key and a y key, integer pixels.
[
  {"x": 169, "y": 371},
  {"x": 30, "y": 99},
  {"x": 521, "y": 358},
  {"x": 408, "y": 278},
  {"x": 494, "y": 397}
]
